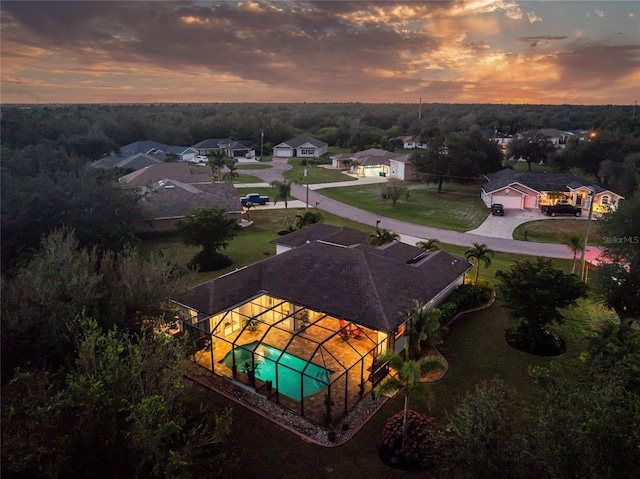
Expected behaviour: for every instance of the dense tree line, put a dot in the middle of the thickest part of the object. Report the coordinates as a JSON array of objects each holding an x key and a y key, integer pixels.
[{"x": 90, "y": 131}]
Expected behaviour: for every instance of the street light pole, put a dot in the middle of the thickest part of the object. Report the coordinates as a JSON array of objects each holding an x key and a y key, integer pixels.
[
  {"x": 306, "y": 174},
  {"x": 583, "y": 275},
  {"x": 261, "y": 144}
]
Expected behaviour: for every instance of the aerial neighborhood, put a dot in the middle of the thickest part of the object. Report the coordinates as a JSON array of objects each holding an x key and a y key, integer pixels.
[{"x": 323, "y": 276}]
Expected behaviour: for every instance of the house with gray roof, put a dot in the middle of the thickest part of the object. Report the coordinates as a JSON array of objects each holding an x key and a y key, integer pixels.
[
  {"x": 313, "y": 320},
  {"x": 534, "y": 190},
  {"x": 376, "y": 162},
  {"x": 232, "y": 148},
  {"x": 180, "y": 153},
  {"x": 182, "y": 172},
  {"x": 136, "y": 161},
  {"x": 168, "y": 200},
  {"x": 302, "y": 146}
]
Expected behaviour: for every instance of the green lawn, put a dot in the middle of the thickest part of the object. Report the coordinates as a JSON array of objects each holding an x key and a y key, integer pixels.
[
  {"x": 253, "y": 166},
  {"x": 459, "y": 210},
  {"x": 555, "y": 231},
  {"x": 317, "y": 173},
  {"x": 474, "y": 347},
  {"x": 247, "y": 179}
]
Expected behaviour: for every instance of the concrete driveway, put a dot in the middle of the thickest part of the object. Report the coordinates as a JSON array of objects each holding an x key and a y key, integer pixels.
[
  {"x": 496, "y": 234},
  {"x": 503, "y": 226}
]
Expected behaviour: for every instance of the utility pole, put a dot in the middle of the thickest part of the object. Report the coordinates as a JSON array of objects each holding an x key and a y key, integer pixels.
[
  {"x": 420, "y": 110},
  {"x": 583, "y": 271},
  {"x": 261, "y": 144},
  {"x": 306, "y": 174}
]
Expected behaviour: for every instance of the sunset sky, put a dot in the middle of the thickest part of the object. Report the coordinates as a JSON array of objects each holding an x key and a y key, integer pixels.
[{"x": 482, "y": 51}]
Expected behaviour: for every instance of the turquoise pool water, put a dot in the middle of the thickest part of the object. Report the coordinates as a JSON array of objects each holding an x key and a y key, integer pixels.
[{"x": 289, "y": 369}]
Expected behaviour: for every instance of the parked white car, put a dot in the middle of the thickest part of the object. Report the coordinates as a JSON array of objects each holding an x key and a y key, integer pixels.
[{"x": 199, "y": 159}]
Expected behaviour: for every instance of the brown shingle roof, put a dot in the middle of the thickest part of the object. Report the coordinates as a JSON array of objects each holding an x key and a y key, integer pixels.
[
  {"x": 180, "y": 171},
  {"x": 173, "y": 199}
]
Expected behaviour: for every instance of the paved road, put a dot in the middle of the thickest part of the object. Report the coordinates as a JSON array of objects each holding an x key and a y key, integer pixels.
[{"x": 410, "y": 233}]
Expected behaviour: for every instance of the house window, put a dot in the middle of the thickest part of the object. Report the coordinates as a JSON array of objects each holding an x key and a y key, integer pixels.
[
  {"x": 605, "y": 200},
  {"x": 307, "y": 152}
]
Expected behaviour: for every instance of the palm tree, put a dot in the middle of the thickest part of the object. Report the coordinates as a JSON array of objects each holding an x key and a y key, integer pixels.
[
  {"x": 429, "y": 245},
  {"x": 382, "y": 236},
  {"x": 248, "y": 207},
  {"x": 424, "y": 327},
  {"x": 218, "y": 161},
  {"x": 232, "y": 170},
  {"x": 308, "y": 218},
  {"x": 407, "y": 376},
  {"x": 480, "y": 253},
  {"x": 574, "y": 242},
  {"x": 283, "y": 193}
]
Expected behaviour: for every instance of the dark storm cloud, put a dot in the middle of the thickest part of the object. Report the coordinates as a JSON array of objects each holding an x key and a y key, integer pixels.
[
  {"x": 597, "y": 62},
  {"x": 534, "y": 41},
  {"x": 267, "y": 43}
]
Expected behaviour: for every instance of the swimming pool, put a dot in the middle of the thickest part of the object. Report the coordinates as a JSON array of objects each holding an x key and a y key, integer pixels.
[{"x": 289, "y": 369}]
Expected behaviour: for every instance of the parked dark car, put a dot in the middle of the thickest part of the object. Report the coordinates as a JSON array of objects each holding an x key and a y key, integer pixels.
[
  {"x": 563, "y": 209},
  {"x": 497, "y": 209},
  {"x": 254, "y": 199}
]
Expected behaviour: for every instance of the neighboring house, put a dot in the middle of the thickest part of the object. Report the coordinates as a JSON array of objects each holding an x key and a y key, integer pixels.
[
  {"x": 502, "y": 139},
  {"x": 168, "y": 200},
  {"x": 534, "y": 190},
  {"x": 319, "y": 314},
  {"x": 413, "y": 142},
  {"x": 133, "y": 162},
  {"x": 376, "y": 162},
  {"x": 181, "y": 172},
  {"x": 232, "y": 148},
  {"x": 301, "y": 146},
  {"x": 208, "y": 146},
  {"x": 180, "y": 153}
]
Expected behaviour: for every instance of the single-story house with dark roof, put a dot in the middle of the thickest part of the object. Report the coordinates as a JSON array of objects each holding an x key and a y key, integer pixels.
[
  {"x": 180, "y": 153},
  {"x": 534, "y": 190},
  {"x": 302, "y": 146},
  {"x": 182, "y": 172},
  {"x": 168, "y": 200},
  {"x": 208, "y": 146},
  {"x": 231, "y": 147},
  {"x": 376, "y": 162},
  {"x": 133, "y": 162},
  {"x": 305, "y": 327}
]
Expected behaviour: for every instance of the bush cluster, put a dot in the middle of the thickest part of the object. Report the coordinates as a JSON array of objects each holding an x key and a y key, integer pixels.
[
  {"x": 465, "y": 297},
  {"x": 421, "y": 444}
]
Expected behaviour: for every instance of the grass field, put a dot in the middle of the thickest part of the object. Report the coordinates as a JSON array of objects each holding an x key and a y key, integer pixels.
[
  {"x": 474, "y": 347},
  {"x": 461, "y": 210},
  {"x": 317, "y": 174},
  {"x": 555, "y": 231}
]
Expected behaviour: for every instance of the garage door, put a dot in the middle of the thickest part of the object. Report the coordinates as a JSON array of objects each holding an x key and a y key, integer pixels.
[{"x": 509, "y": 201}]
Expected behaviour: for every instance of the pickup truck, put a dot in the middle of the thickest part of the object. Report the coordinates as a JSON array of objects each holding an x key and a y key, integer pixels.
[
  {"x": 563, "y": 209},
  {"x": 254, "y": 199}
]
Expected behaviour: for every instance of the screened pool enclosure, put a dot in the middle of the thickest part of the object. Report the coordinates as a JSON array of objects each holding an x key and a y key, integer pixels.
[{"x": 310, "y": 362}]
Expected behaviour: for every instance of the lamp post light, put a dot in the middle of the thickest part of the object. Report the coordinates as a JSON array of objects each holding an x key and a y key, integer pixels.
[
  {"x": 583, "y": 259},
  {"x": 261, "y": 144},
  {"x": 306, "y": 174}
]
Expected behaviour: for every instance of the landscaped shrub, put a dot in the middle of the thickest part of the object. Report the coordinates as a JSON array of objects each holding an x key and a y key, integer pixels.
[
  {"x": 467, "y": 296},
  {"x": 209, "y": 262},
  {"x": 422, "y": 445}
]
